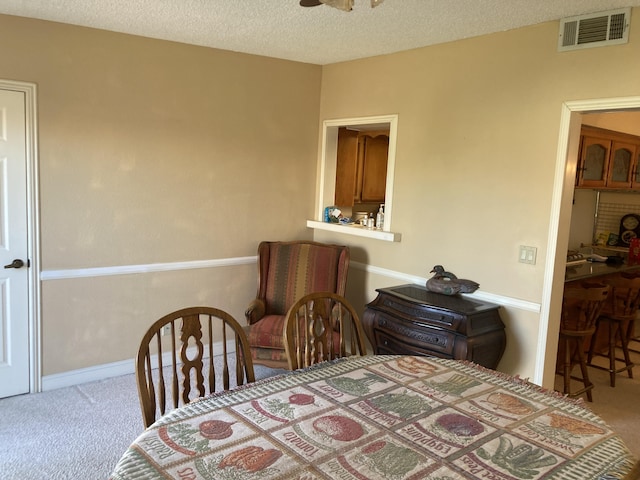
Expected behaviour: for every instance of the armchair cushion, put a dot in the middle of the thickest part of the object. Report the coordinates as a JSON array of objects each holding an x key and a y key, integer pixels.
[{"x": 267, "y": 332}]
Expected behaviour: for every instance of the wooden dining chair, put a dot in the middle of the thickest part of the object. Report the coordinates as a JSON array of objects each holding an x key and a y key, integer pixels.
[
  {"x": 581, "y": 306},
  {"x": 188, "y": 354},
  {"x": 615, "y": 318},
  {"x": 322, "y": 326}
]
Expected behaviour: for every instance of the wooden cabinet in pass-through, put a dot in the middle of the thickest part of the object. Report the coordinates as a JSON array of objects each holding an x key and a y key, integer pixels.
[
  {"x": 361, "y": 168},
  {"x": 608, "y": 159}
]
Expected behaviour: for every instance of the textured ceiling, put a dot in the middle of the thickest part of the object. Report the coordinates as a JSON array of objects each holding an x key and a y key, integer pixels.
[{"x": 319, "y": 35}]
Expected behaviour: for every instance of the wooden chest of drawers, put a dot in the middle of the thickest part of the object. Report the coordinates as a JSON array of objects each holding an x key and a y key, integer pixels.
[{"x": 409, "y": 319}]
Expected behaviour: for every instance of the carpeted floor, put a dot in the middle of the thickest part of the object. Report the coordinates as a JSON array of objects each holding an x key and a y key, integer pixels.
[
  {"x": 81, "y": 432},
  {"x": 617, "y": 406},
  {"x": 72, "y": 433}
]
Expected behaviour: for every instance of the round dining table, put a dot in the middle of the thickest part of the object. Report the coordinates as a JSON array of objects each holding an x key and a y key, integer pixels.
[{"x": 394, "y": 417}]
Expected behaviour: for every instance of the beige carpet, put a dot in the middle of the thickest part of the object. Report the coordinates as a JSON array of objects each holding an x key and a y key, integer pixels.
[
  {"x": 71, "y": 433},
  {"x": 617, "y": 406}
]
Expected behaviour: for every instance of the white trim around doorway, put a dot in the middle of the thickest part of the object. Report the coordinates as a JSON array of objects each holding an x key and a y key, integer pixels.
[{"x": 564, "y": 179}]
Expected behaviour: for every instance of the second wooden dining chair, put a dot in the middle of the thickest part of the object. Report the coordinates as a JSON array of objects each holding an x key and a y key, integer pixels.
[
  {"x": 188, "y": 354},
  {"x": 319, "y": 327}
]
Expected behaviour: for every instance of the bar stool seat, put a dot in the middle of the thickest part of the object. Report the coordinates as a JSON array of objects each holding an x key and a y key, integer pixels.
[
  {"x": 616, "y": 317},
  {"x": 581, "y": 307}
]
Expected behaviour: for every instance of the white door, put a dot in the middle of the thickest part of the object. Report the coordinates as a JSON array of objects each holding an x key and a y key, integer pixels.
[{"x": 14, "y": 279}]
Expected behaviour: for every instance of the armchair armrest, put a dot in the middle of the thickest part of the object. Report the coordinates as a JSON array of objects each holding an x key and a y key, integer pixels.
[{"x": 255, "y": 311}]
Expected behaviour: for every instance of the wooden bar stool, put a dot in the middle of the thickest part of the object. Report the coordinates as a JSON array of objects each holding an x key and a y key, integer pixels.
[
  {"x": 632, "y": 336},
  {"x": 581, "y": 306},
  {"x": 616, "y": 316}
]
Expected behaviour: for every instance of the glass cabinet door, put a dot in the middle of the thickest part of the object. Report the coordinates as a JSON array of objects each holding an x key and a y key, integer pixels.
[
  {"x": 620, "y": 170},
  {"x": 593, "y": 162}
]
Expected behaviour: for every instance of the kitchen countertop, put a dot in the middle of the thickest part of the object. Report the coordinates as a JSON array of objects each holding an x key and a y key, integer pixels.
[{"x": 595, "y": 269}]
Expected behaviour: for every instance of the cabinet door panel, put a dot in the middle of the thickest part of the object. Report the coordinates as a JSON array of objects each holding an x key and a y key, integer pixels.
[
  {"x": 635, "y": 170},
  {"x": 593, "y": 162},
  {"x": 374, "y": 173},
  {"x": 346, "y": 167},
  {"x": 621, "y": 164}
]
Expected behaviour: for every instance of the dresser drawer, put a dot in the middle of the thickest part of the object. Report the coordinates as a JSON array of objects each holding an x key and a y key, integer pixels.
[
  {"x": 425, "y": 341},
  {"x": 438, "y": 318}
]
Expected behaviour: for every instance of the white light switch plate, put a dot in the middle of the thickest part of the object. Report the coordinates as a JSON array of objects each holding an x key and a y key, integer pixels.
[{"x": 527, "y": 255}]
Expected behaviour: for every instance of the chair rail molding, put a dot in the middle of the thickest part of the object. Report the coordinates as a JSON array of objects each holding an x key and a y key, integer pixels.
[
  {"x": 147, "y": 268},
  {"x": 489, "y": 297}
]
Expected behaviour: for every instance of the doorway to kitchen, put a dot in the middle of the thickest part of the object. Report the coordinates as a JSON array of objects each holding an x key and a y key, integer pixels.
[{"x": 572, "y": 116}]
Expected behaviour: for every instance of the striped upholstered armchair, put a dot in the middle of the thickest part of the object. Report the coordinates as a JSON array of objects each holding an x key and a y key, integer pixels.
[{"x": 286, "y": 272}]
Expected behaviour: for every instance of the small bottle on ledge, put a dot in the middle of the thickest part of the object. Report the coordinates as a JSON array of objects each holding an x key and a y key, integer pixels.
[{"x": 380, "y": 217}]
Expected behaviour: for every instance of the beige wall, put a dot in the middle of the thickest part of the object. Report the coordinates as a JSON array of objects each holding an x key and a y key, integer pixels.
[
  {"x": 478, "y": 133},
  {"x": 154, "y": 152},
  {"x": 157, "y": 152}
]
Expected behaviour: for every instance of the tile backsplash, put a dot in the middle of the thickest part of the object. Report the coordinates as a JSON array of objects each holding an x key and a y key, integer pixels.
[{"x": 608, "y": 219}]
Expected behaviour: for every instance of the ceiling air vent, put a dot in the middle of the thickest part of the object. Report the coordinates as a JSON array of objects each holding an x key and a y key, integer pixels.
[{"x": 595, "y": 30}]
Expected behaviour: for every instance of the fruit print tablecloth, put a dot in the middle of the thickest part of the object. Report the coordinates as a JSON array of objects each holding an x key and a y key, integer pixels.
[{"x": 380, "y": 417}]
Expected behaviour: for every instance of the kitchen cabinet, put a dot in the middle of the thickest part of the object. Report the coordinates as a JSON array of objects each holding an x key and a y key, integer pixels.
[
  {"x": 608, "y": 160},
  {"x": 361, "y": 167}
]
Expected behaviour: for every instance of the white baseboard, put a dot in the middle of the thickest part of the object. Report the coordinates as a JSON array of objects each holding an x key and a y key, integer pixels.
[
  {"x": 115, "y": 369},
  {"x": 89, "y": 374}
]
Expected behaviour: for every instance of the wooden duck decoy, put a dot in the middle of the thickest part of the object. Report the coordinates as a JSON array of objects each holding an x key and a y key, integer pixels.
[{"x": 448, "y": 284}]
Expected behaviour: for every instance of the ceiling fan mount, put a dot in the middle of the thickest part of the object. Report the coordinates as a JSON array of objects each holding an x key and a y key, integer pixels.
[{"x": 346, "y": 5}]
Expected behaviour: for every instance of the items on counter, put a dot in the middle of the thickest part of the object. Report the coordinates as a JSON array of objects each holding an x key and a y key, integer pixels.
[
  {"x": 371, "y": 223},
  {"x": 609, "y": 239},
  {"x": 634, "y": 252},
  {"x": 333, "y": 214},
  {"x": 575, "y": 258},
  {"x": 380, "y": 217}
]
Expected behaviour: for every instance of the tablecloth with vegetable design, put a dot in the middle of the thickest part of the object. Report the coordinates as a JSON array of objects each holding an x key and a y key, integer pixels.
[{"x": 380, "y": 417}]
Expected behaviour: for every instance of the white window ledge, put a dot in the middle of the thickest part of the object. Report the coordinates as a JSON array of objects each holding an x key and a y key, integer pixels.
[{"x": 357, "y": 230}]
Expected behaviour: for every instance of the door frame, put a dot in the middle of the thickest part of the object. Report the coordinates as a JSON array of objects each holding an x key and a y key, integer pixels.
[
  {"x": 33, "y": 229},
  {"x": 559, "y": 225}
]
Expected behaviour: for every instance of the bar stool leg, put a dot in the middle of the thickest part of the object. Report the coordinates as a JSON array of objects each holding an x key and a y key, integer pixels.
[
  {"x": 585, "y": 374},
  {"x": 592, "y": 344},
  {"x": 612, "y": 353},
  {"x": 631, "y": 335},
  {"x": 624, "y": 342},
  {"x": 567, "y": 366}
]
